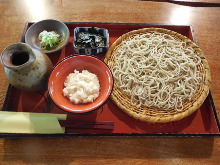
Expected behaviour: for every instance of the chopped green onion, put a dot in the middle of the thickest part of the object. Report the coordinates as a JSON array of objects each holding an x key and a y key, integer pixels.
[{"x": 49, "y": 40}]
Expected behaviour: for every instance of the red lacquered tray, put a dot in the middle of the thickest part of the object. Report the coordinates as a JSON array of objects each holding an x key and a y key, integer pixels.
[{"x": 203, "y": 122}]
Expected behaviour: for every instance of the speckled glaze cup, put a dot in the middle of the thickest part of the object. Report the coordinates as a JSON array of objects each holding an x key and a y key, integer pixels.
[{"x": 26, "y": 69}]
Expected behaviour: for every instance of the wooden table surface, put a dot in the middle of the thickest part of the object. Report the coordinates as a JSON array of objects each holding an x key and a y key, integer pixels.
[{"x": 113, "y": 150}]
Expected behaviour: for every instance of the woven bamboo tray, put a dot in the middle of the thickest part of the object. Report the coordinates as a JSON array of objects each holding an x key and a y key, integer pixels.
[{"x": 153, "y": 114}]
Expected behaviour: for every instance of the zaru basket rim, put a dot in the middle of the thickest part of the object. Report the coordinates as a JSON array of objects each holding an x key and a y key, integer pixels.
[{"x": 153, "y": 114}]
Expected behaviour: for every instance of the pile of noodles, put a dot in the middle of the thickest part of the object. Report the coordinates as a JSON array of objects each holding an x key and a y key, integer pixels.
[{"x": 156, "y": 70}]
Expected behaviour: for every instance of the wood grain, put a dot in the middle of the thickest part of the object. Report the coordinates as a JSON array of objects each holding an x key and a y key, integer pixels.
[
  {"x": 192, "y": 3},
  {"x": 112, "y": 150}
]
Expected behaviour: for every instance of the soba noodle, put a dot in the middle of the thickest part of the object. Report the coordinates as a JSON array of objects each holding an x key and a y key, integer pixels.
[{"x": 156, "y": 70}]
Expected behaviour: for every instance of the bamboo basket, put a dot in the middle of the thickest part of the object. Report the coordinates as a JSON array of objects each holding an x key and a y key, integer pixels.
[{"x": 153, "y": 114}]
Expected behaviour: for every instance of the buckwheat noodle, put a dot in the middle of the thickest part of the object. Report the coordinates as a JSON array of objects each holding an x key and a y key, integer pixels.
[{"x": 156, "y": 70}]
